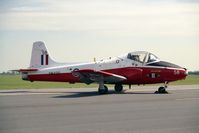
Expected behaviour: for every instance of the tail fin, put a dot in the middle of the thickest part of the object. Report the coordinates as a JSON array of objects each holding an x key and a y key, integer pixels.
[{"x": 40, "y": 57}]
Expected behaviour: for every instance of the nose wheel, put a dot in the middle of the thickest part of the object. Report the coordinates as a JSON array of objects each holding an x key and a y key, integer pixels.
[{"x": 162, "y": 89}]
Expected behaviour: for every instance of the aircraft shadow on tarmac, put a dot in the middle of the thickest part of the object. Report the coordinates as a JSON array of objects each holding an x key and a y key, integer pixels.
[{"x": 95, "y": 93}]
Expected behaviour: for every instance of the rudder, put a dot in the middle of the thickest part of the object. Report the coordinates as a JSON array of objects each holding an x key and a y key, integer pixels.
[{"x": 40, "y": 57}]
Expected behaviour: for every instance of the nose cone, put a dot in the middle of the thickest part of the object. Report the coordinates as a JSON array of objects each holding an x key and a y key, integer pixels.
[{"x": 183, "y": 73}]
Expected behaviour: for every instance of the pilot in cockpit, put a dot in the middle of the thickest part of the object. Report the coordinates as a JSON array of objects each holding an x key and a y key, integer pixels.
[{"x": 135, "y": 57}]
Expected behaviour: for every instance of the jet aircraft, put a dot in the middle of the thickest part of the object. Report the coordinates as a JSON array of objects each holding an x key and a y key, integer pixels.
[{"x": 133, "y": 68}]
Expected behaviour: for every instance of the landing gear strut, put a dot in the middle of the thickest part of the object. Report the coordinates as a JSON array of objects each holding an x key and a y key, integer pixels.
[
  {"x": 118, "y": 87},
  {"x": 103, "y": 89},
  {"x": 162, "y": 89}
]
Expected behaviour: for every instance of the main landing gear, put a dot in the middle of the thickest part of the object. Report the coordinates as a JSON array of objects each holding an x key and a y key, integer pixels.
[
  {"x": 118, "y": 87},
  {"x": 103, "y": 89},
  {"x": 162, "y": 89}
]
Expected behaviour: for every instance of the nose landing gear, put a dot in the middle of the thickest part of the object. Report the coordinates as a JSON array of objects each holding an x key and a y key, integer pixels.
[{"x": 162, "y": 89}]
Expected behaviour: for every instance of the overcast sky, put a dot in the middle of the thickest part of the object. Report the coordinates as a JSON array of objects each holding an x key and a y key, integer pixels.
[{"x": 79, "y": 30}]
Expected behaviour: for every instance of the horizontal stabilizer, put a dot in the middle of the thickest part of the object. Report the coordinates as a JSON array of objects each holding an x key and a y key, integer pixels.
[{"x": 26, "y": 70}]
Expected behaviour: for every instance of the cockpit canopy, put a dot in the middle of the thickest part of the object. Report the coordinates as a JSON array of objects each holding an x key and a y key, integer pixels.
[{"x": 142, "y": 57}]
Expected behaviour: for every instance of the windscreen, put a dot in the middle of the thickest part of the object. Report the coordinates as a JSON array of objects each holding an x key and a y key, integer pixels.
[{"x": 152, "y": 58}]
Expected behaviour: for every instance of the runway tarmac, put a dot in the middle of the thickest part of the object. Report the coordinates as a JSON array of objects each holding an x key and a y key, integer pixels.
[{"x": 84, "y": 111}]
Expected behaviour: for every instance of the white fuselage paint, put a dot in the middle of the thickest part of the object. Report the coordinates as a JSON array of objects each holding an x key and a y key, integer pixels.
[{"x": 105, "y": 64}]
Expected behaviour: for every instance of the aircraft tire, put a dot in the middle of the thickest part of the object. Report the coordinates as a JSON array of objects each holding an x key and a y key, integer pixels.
[
  {"x": 118, "y": 87},
  {"x": 103, "y": 91},
  {"x": 162, "y": 90}
]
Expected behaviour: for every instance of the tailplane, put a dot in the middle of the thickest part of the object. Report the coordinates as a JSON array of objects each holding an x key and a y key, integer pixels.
[{"x": 40, "y": 57}]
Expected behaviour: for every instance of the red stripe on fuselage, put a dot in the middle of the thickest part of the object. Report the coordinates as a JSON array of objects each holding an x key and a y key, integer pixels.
[
  {"x": 61, "y": 77},
  {"x": 134, "y": 75}
]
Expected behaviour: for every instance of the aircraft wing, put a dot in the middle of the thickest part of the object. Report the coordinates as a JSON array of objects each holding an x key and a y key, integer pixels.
[{"x": 89, "y": 76}]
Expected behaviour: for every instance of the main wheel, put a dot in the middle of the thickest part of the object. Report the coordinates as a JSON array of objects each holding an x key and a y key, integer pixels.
[
  {"x": 103, "y": 91},
  {"x": 118, "y": 87}
]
